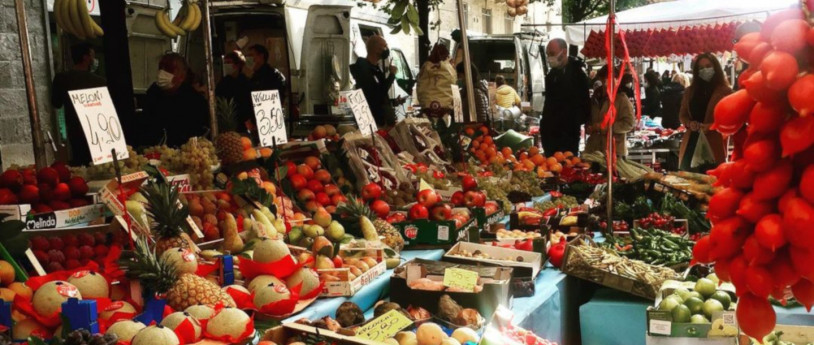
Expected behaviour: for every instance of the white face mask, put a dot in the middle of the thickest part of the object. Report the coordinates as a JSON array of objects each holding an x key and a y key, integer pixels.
[
  {"x": 94, "y": 66},
  {"x": 706, "y": 73},
  {"x": 250, "y": 61},
  {"x": 554, "y": 61},
  {"x": 629, "y": 85},
  {"x": 164, "y": 80}
]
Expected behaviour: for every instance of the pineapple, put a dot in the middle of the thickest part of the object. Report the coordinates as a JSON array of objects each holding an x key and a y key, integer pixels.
[
  {"x": 169, "y": 222},
  {"x": 360, "y": 212},
  {"x": 228, "y": 144},
  {"x": 160, "y": 277}
]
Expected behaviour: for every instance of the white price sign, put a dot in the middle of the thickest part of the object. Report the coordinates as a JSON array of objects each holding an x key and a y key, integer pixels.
[
  {"x": 101, "y": 125},
  {"x": 458, "y": 111},
  {"x": 361, "y": 111},
  {"x": 270, "y": 119}
]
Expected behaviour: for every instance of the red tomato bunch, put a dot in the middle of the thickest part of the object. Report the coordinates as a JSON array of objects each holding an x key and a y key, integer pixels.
[{"x": 762, "y": 237}]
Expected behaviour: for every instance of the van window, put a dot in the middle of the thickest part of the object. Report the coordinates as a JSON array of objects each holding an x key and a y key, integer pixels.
[
  {"x": 493, "y": 58},
  {"x": 328, "y": 25}
]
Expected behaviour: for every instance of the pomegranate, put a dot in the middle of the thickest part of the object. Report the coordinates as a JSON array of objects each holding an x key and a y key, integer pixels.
[{"x": 756, "y": 317}]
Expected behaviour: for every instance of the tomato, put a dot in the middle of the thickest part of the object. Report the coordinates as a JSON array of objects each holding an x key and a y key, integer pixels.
[
  {"x": 556, "y": 254},
  {"x": 756, "y": 317},
  {"x": 726, "y": 237},
  {"x": 797, "y": 219},
  {"x": 767, "y": 117},
  {"x": 801, "y": 260},
  {"x": 759, "y": 281},
  {"x": 767, "y": 29},
  {"x": 724, "y": 203},
  {"x": 752, "y": 209},
  {"x": 737, "y": 273},
  {"x": 760, "y": 155},
  {"x": 804, "y": 293},
  {"x": 754, "y": 253},
  {"x": 742, "y": 177},
  {"x": 700, "y": 253},
  {"x": 807, "y": 184},
  {"x": 747, "y": 43},
  {"x": 723, "y": 174},
  {"x": 790, "y": 35},
  {"x": 784, "y": 200},
  {"x": 779, "y": 70},
  {"x": 800, "y": 92},
  {"x": 773, "y": 183},
  {"x": 796, "y": 135},
  {"x": 769, "y": 232},
  {"x": 783, "y": 270},
  {"x": 732, "y": 111},
  {"x": 757, "y": 54},
  {"x": 722, "y": 271},
  {"x": 755, "y": 85}
]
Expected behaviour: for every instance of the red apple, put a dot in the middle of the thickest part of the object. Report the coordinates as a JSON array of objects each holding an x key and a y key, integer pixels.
[
  {"x": 29, "y": 194},
  {"x": 397, "y": 217},
  {"x": 48, "y": 175},
  {"x": 291, "y": 168},
  {"x": 331, "y": 189},
  {"x": 323, "y": 199},
  {"x": 7, "y": 197},
  {"x": 62, "y": 169},
  {"x": 457, "y": 198},
  {"x": 469, "y": 183},
  {"x": 62, "y": 192},
  {"x": 474, "y": 199},
  {"x": 78, "y": 186},
  {"x": 427, "y": 197},
  {"x": 381, "y": 208},
  {"x": 298, "y": 181},
  {"x": 338, "y": 198},
  {"x": 419, "y": 211},
  {"x": 459, "y": 220},
  {"x": 490, "y": 207},
  {"x": 305, "y": 171},
  {"x": 305, "y": 195},
  {"x": 12, "y": 179},
  {"x": 29, "y": 177},
  {"x": 46, "y": 192},
  {"x": 371, "y": 191},
  {"x": 323, "y": 176},
  {"x": 58, "y": 205},
  {"x": 42, "y": 208},
  {"x": 441, "y": 212},
  {"x": 315, "y": 186},
  {"x": 78, "y": 202},
  {"x": 312, "y": 206}
]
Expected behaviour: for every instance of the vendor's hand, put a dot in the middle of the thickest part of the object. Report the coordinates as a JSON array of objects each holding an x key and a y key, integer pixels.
[
  {"x": 393, "y": 69},
  {"x": 694, "y": 126}
]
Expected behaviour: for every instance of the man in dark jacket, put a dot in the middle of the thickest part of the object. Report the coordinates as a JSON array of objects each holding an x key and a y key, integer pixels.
[
  {"x": 264, "y": 76},
  {"x": 172, "y": 106},
  {"x": 79, "y": 77},
  {"x": 374, "y": 83},
  {"x": 567, "y": 103},
  {"x": 235, "y": 86}
]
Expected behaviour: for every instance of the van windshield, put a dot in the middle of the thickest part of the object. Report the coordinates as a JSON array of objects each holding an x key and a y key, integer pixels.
[{"x": 493, "y": 58}]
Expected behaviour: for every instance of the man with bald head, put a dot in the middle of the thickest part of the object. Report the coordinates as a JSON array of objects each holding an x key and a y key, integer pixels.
[
  {"x": 567, "y": 102},
  {"x": 374, "y": 83}
]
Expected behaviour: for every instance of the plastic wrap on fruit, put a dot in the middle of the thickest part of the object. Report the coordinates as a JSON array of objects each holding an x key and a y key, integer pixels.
[
  {"x": 418, "y": 313},
  {"x": 468, "y": 317},
  {"x": 281, "y": 268},
  {"x": 426, "y": 284},
  {"x": 276, "y": 299},
  {"x": 242, "y": 297}
]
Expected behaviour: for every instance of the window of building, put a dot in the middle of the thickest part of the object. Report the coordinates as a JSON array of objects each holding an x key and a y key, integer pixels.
[
  {"x": 509, "y": 22},
  {"x": 487, "y": 21},
  {"x": 466, "y": 15}
]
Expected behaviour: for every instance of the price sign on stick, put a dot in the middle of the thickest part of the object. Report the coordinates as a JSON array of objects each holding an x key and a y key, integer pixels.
[
  {"x": 101, "y": 125},
  {"x": 460, "y": 278},
  {"x": 270, "y": 119},
  {"x": 383, "y": 327},
  {"x": 458, "y": 111},
  {"x": 361, "y": 111}
]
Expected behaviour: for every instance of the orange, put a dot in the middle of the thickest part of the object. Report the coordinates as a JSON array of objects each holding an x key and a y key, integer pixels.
[
  {"x": 470, "y": 131},
  {"x": 6, "y": 273},
  {"x": 312, "y": 162},
  {"x": 249, "y": 154},
  {"x": 246, "y": 142},
  {"x": 507, "y": 151},
  {"x": 297, "y": 219},
  {"x": 534, "y": 150},
  {"x": 528, "y": 164},
  {"x": 495, "y": 160},
  {"x": 523, "y": 156},
  {"x": 487, "y": 140},
  {"x": 541, "y": 172},
  {"x": 551, "y": 161},
  {"x": 21, "y": 289},
  {"x": 476, "y": 143},
  {"x": 559, "y": 156},
  {"x": 265, "y": 152},
  {"x": 7, "y": 295},
  {"x": 320, "y": 132},
  {"x": 556, "y": 167},
  {"x": 484, "y": 129},
  {"x": 568, "y": 154},
  {"x": 575, "y": 160},
  {"x": 538, "y": 159},
  {"x": 490, "y": 152},
  {"x": 270, "y": 187}
]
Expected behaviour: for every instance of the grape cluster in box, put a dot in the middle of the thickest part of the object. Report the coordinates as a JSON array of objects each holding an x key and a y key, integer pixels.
[
  {"x": 73, "y": 250},
  {"x": 313, "y": 185},
  {"x": 47, "y": 190}
]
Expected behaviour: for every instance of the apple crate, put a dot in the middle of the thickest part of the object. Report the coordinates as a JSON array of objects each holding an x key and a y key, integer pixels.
[
  {"x": 425, "y": 233},
  {"x": 485, "y": 220},
  {"x": 72, "y": 217},
  {"x": 104, "y": 235},
  {"x": 660, "y": 323},
  {"x": 530, "y": 265},
  {"x": 131, "y": 183},
  {"x": 338, "y": 281}
]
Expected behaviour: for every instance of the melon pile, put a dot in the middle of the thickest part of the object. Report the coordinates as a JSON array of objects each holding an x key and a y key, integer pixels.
[{"x": 762, "y": 238}]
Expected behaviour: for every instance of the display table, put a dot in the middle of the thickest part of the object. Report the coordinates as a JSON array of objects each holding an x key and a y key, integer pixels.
[{"x": 367, "y": 296}]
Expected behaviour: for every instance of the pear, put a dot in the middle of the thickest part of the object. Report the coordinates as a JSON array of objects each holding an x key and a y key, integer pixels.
[
  {"x": 335, "y": 231},
  {"x": 231, "y": 240},
  {"x": 279, "y": 227},
  {"x": 313, "y": 230},
  {"x": 368, "y": 229},
  {"x": 322, "y": 217},
  {"x": 295, "y": 235},
  {"x": 324, "y": 263},
  {"x": 323, "y": 246}
]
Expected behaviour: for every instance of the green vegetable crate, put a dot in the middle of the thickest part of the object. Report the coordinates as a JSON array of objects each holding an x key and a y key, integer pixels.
[{"x": 722, "y": 324}]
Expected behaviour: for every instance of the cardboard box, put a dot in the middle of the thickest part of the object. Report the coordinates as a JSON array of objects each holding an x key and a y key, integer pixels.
[
  {"x": 660, "y": 323},
  {"x": 484, "y": 220},
  {"x": 36, "y": 266},
  {"x": 345, "y": 286},
  {"x": 311, "y": 335},
  {"x": 495, "y": 281},
  {"x": 71, "y": 217},
  {"x": 798, "y": 335},
  {"x": 431, "y": 233},
  {"x": 529, "y": 267}
]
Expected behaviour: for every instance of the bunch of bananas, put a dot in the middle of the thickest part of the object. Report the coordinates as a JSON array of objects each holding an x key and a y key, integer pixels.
[
  {"x": 72, "y": 16},
  {"x": 187, "y": 20}
]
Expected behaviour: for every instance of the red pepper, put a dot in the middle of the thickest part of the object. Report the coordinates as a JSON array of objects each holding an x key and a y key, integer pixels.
[
  {"x": 550, "y": 212},
  {"x": 555, "y": 194},
  {"x": 527, "y": 245},
  {"x": 556, "y": 253}
]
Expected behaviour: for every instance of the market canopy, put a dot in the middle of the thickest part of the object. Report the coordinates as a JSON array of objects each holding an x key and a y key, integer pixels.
[{"x": 681, "y": 13}]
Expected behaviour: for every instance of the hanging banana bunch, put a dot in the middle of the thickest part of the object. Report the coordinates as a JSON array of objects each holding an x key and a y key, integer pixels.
[
  {"x": 72, "y": 17},
  {"x": 187, "y": 20}
]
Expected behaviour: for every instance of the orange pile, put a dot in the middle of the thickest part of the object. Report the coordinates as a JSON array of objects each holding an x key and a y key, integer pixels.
[{"x": 483, "y": 148}]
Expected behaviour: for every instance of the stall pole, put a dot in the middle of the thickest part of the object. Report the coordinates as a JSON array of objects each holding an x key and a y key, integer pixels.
[
  {"x": 611, "y": 153},
  {"x": 210, "y": 73},
  {"x": 33, "y": 112},
  {"x": 470, "y": 94},
  {"x": 118, "y": 72}
]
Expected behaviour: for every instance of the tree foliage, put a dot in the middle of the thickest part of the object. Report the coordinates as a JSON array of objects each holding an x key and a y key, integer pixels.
[{"x": 579, "y": 10}]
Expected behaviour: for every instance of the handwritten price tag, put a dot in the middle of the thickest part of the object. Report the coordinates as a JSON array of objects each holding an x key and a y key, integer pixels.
[
  {"x": 270, "y": 119},
  {"x": 383, "y": 327},
  {"x": 101, "y": 125},
  {"x": 460, "y": 278},
  {"x": 361, "y": 111},
  {"x": 458, "y": 111}
]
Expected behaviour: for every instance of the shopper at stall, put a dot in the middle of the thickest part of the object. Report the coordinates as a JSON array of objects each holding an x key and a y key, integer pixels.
[
  {"x": 627, "y": 85},
  {"x": 374, "y": 83},
  {"x": 483, "y": 110},
  {"x": 651, "y": 105},
  {"x": 264, "y": 77},
  {"x": 567, "y": 100},
  {"x": 235, "y": 86},
  {"x": 671, "y": 95},
  {"x": 697, "y": 108},
  {"x": 624, "y": 123},
  {"x": 79, "y": 77},
  {"x": 666, "y": 76},
  {"x": 173, "y": 109},
  {"x": 435, "y": 81},
  {"x": 505, "y": 96}
]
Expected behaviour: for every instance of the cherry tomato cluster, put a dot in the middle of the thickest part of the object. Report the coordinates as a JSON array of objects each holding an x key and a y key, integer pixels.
[
  {"x": 618, "y": 225},
  {"x": 523, "y": 336},
  {"x": 658, "y": 221}
]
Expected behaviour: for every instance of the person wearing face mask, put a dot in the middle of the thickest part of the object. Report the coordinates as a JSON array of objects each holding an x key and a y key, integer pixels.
[
  {"x": 263, "y": 76},
  {"x": 373, "y": 82},
  {"x": 482, "y": 109},
  {"x": 651, "y": 104},
  {"x": 697, "y": 110},
  {"x": 79, "y": 77},
  {"x": 235, "y": 86},
  {"x": 567, "y": 100},
  {"x": 625, "y": 120},
  {"x": 172, "y": 107}
]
